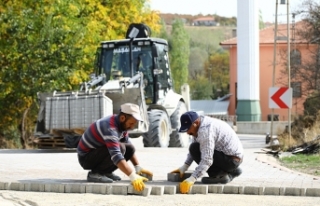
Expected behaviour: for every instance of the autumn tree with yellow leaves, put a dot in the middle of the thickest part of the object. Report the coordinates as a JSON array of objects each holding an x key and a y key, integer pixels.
[{"x": 48, "y": 45}]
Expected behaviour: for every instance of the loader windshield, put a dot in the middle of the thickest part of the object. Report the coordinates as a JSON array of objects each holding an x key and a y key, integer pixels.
[{"x": 115, "y": 62}]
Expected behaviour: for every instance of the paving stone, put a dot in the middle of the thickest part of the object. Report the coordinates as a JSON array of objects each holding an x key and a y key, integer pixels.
[
  {"x": 228, "y": 189},
  {"x": 99, "y": 189},
  {"x": 199, "y": 189},
  {"x": 241, "y": 190},
  {"x": 282, "y": 189},
  {"x": 272, "y": 191},
  {"x": 4, "y": 185},
  {"x": 157, "y": 190},
  {"x": 119, "y": 189},
  {"x": 170, "y": 190},
  {"x": 253, "y": 190},
  {"x": 75, "y": 188},
  {"x": 175, "y": 177},
  {"x": 16, "y": 186},
  {"x": 293, "y": 191},
  {"x": 34, "y": 187},
  {"x": 215, "y": 189},
  {"x": 145, "y": 192},
  {"x": 315, "y": 192},
  {"x": 147, "y": 176},
  {"x": 57, "y": 188}
]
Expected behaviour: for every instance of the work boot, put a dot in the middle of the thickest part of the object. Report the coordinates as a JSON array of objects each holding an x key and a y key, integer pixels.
[
  {"x": 222, "y": 179},
  {"x": 235, "y": 173},
  {"x": 113, "y": 176},
  {"x": 96, "y": 177}
]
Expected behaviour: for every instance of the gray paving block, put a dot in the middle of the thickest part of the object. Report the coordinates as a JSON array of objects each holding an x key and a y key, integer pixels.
[
  {"x": 282, "y": 190},
  {"x": 272, "y": 191},
  {"x": 199, "y": 189},
  {"x": 147, "y": 176},
  {"x": 16, "y": 186},
  {"x": 4, "y": 185},
  {"x": 175, "y": 177},
  {"x": 53, "y": 187},
  {"x": 119, "y": 189},
  {"x": 145, "y": 192},
  {"x": 315, "y": 192},
  {"x": 99, "y": 189},
  {"x": 157, "y": 190},
  {"x": 253, "y": 190},
  {"x": 170, "y": 190},
  {"x": 75, "y": 188},
  {"x": 215, "y": 189},
  {"x": 34, "y": 187},
  {"x": 228, "y": 189},
  {"x": 293, "y": 191}
]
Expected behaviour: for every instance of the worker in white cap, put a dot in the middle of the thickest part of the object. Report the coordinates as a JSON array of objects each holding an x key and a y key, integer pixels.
[{"x": 105, "y": 147}]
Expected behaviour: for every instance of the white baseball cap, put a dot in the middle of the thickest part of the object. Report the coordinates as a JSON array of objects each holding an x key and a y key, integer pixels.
[{"x": 132, "y": 109}]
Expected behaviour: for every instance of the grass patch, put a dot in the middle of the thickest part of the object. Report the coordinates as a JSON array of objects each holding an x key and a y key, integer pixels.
[{"x": 309, "y": 164}]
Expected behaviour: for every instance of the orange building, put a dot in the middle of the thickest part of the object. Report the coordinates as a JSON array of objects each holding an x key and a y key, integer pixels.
[{"x": 300, "y": 52}]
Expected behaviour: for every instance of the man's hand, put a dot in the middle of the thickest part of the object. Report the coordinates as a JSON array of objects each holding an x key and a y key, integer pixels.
[
  {"x": 137, "y": 181},
  {"x": 186, "y": 185},
  {"x": 181, "y": 170},
  {"x": 141, "y": 171}
]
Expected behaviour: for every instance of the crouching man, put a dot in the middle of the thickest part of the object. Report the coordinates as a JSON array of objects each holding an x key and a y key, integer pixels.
[
  {"x": 216, "y": 149},
  {"x": 105, "y": 147}
]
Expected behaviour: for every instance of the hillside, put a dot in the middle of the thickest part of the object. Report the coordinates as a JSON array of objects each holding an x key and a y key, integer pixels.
[{"x": 189, "y": 19}]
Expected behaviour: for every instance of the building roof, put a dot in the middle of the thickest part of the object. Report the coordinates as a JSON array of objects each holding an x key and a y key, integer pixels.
[
  {"x": 204, "y": 19},
  {"x": 211, "y": 107},
  {"x": 266, "y": 35}
]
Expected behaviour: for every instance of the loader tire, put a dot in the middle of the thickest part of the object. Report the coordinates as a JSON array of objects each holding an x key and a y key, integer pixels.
[
  {"x": 178, "y": 139},
  {"x": 158, "y": 134}
]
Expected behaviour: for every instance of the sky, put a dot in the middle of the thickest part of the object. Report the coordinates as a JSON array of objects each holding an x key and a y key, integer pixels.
[{"x": 225, "y": 8}]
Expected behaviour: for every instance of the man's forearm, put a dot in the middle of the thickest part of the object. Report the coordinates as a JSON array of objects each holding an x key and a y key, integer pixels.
[
  {"x": 134, "y": 160},
  {"x": 124, "y": 167}
]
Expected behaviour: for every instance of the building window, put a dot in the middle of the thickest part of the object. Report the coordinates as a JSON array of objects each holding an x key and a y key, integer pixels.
[
  {"x": 296, "y": 89},
  {"x": 295, "y": 57}
]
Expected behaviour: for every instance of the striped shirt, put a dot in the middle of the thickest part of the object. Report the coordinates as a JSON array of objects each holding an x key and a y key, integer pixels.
[
  {"x": 214, "y": 134},
  {"x": 104, "y": 132}
]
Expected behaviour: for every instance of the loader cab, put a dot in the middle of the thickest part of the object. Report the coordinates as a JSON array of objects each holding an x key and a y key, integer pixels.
[{"x": 148, "y": 55}]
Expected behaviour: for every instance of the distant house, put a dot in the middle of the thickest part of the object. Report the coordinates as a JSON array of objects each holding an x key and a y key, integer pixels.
[
  {"x": 301, "y": 51},
  {"x": 205, "y": 21}
]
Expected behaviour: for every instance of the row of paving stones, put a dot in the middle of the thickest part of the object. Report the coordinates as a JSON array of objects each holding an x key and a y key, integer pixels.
[
  {"x": 60, "y": 172},
  {"x": 127, "y": 189}
]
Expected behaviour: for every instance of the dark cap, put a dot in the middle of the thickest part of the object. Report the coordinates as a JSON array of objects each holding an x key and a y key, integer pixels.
[{"x": 187, "y": 119}]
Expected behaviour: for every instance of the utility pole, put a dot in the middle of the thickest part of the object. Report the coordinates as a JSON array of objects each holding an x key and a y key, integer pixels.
[
  {"x": 274, "y": 141},
  {"x": 289, "y": 68}
]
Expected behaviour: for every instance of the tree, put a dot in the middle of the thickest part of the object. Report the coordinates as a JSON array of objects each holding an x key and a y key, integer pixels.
[
  {"x": 196, "y": 59},
  {"x": 49, "y": 45},
  {"x": 217, "y": 70},
  {"x": 261, "y": 23},
  {"x": 179, "y": 55},
  {"x": 200, "y": 88}
]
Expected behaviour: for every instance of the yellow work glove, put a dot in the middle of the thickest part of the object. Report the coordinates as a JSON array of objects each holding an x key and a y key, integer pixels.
[
  {"x": 186, "y": 184},
  {"x": 140, "y": 171},
  {"x": 181, "y": 170},
  {"x": 137, "y": 181}
]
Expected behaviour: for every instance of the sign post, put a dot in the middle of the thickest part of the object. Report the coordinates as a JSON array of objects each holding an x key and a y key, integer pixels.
[{"x": 280, "y": 98}]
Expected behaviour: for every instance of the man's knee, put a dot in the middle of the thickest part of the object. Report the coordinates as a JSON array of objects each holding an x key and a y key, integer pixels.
[
  {"x": 127, "y": 150},
  {"x": 194, "y": 150},
  {"x": 194, "y": 147}
]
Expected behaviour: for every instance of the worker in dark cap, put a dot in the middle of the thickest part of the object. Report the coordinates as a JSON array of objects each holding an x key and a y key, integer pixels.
[{"x": 216, "y": 149}]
